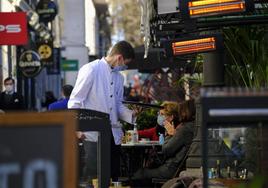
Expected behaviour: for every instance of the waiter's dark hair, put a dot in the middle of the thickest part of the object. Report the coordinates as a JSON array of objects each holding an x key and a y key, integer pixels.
[{"x": 124, "y": 48}]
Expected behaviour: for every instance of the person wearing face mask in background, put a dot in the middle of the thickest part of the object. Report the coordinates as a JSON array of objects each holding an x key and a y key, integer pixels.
[
  {"x": 168, "y": 113},
  {"x": 99, "y": 86},
  {"x": 9, "y": 99},
  {"x": 178, "y": 139}
]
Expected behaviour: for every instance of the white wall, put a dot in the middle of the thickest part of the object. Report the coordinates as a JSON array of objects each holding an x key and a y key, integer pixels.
[
  {"x": 5, "y": 6},
  {"x": 73, "y": 37},
  {"x": 92, "y": 28},
  {"x": 78, "y": 53}
]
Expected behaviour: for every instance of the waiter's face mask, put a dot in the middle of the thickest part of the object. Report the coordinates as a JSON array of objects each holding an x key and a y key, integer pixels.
[
  {"x": 121, "y": 65},
  {"x": 120, "y": 68}
]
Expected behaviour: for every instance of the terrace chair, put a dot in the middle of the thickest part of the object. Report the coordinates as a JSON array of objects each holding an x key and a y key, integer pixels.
[{"x": 160, "y": 181}]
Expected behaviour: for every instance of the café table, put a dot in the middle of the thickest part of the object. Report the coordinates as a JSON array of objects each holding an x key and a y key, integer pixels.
[
  {"x": 141, "y": 144},
  {"x": 139, "y": 151}
]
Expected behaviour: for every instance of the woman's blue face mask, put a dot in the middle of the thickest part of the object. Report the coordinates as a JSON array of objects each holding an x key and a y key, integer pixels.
[{"x": 161, "y": 119}]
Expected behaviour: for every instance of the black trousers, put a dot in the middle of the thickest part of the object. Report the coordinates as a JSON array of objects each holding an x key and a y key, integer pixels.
[{"x": 115, "y": 160}]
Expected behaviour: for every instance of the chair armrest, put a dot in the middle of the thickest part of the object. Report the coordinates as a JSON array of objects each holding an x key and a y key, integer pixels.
[{"x": 159, "y": 180}]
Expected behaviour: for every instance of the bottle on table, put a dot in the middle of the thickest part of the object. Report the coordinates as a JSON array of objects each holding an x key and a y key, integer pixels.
[
  {"x": 228, "y": 172},
  {"x": 161, "y": 139},
  {"x": 135, "y": 135},
  {"x": 218, "y": 169},
  {"x": 236, "y": 169}
]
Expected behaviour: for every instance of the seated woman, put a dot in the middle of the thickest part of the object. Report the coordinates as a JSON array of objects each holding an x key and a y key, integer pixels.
[
  {"x": 170, "y": 111},
  {"x": 178, "y": 139}
]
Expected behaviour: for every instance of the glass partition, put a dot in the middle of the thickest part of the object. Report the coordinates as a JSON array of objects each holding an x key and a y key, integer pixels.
[
  {"x": 94, "y": 152},
  {"x": 238, "y": 154},
  {"x": 234, "y": 136}
]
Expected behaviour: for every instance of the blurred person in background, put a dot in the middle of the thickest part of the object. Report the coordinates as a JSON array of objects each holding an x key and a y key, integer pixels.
[
  {"x": 49, "y": 98},
  {"x": 62, "y": 103},
  {"x": 9, "y": 99},
  {"x": 133, "y": 96}
]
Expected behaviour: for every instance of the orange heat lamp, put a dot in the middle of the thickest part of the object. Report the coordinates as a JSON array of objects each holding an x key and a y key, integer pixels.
[
  {"x": 194, "y": 46},
  {"x": 199, "y": 8}
]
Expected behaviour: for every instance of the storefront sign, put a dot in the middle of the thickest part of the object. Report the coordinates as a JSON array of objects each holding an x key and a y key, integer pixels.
[
  {"x": 13, "y": 28},
  {"x": 45, "y": 51},
  {"x": 69, "y": 65},
  {"x": 29, "y": 63},
  {"x": 47, "y": 10}
]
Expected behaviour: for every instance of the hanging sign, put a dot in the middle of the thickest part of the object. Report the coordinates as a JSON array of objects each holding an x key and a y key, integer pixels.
[
  {"x": 45, "y": 51},
  {"x": 29, "y": 63},
  {"x": 13, "y": 28},
  {"x": 69, "y": 65},
  {"x": 47, "y": 10},
  {"x": 55, "y": 67}
]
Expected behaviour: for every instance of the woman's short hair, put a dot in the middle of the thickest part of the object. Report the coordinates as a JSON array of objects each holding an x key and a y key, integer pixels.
[{"x": 170, "y": 108}]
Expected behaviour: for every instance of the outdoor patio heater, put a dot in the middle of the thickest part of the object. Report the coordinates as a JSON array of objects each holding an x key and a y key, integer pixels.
[{"x": 204, "y": 8}]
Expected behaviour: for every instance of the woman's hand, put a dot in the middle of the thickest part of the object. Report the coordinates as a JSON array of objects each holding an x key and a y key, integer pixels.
[{"x": 169, "y": 127}]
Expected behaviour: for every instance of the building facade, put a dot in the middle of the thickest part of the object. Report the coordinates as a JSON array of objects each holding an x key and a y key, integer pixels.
[{"x": 79, "y": 32}]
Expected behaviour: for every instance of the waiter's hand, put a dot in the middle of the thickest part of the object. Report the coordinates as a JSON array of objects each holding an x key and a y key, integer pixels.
[
  {"x": 136, "y": 110},
  {"x": 80, "y": 135}
]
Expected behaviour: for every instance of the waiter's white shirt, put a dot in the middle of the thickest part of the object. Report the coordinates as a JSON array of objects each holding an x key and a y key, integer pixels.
[{"x": 100, "y": 88}]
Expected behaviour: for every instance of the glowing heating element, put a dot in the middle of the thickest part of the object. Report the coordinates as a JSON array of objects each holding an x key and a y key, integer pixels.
[
  {"x": 215, "y": 7},
  {"x": 194, "y": 46}
]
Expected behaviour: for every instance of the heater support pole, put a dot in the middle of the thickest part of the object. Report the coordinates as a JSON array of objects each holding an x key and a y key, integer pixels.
[{"x": 213, "y": 69}]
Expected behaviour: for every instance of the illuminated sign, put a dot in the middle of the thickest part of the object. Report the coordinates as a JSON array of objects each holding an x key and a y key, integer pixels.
[{"x": 13, "y": 28}]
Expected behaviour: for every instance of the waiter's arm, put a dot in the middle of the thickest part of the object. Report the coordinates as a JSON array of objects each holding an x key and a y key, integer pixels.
[{"x": 82, "y": 87}]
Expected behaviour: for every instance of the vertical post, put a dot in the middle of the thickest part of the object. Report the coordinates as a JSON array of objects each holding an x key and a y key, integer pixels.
[
  {"x": 213, "y": 72},
  {"x": 9, "y": 59},
  {"x": 104, "y": 162},
  {"x": 32, "y": 93},
  {"x": 1, "y": 65},
  {"x": 19, "y": 74},
  {"x": 213, "y": 68},
  {"x": 26, "y": 93},
  {"x": 204, "y": 144}
]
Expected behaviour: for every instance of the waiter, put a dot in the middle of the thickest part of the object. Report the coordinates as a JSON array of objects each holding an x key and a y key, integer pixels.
[{"x": 99, "y": 86}]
